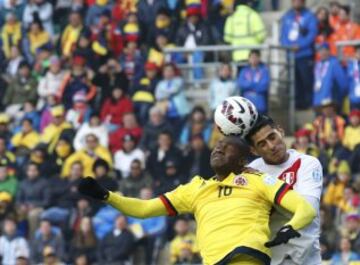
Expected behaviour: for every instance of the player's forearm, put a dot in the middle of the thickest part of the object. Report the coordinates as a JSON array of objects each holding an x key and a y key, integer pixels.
[
  {"x": 136, "y": 207},
  {"x": 304, "y": 213}
]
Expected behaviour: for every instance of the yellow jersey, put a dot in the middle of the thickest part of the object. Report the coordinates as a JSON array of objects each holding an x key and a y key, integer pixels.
[{"x": 232, "y": 215}]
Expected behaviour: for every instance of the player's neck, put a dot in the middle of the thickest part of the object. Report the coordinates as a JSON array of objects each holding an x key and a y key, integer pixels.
[{"x": 221, "y": 175}]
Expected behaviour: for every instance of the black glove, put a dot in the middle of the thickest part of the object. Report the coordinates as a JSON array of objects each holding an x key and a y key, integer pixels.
[
  {"x": 88, "y": 186},
  {"x": 283, "y": 236}
]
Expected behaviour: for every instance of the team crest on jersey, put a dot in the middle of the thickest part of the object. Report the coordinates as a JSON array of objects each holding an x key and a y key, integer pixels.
[
  {"x": 289, "y": 178},
  {"x": 240, "y": 180}
]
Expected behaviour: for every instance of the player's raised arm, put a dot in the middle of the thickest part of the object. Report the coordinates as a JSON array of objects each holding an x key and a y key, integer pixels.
[
  {"x": 128, "y": 206},
  {"x": 280, "y": 193}
]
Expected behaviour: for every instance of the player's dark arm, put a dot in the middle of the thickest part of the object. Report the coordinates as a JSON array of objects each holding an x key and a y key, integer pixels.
[
  {"x": 128, "y": 206},
  {"x": 303, "y": 212}
]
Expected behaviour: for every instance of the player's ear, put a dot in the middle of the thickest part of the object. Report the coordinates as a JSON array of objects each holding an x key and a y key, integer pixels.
[{"x": 253, "y": 151}]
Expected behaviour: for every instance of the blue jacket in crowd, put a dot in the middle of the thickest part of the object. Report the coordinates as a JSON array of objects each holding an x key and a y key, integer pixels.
[
  {"x": 299, "y": 30},
  {"x": 330, "y": 81},
  {"x": 254, "y": 85},
  {"x": 353, "y": 73}
]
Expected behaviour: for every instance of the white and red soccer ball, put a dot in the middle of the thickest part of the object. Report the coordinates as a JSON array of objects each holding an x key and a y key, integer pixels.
[{"x": 235, "y": 116}]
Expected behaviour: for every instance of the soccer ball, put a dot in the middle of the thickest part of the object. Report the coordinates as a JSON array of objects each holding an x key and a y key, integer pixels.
[{"x": 235, "y": 116}]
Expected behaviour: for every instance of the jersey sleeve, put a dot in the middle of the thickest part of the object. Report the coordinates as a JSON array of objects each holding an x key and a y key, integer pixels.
[
  {"x": 272, "y": 189},
  {"x": 310, "y": 178},
  {"x": 180, "y": 199}
]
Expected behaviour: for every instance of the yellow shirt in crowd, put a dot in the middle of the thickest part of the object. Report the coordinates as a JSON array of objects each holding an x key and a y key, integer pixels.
[
  {"x": 29, "y": 140},
  {"x": 351, "y": 137}
]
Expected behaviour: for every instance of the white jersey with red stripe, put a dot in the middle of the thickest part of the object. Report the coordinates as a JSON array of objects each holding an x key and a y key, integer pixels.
[{"x": 304, "y": 174}]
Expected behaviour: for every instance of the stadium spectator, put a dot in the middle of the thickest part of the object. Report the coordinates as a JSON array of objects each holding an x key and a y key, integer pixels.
[
  {"x": 14, "y": 61},
  {"x": 84, "y": 241},
  {"x": 49, "y": 84},
  {"x": 8, "y": 181},
  {"x": 163, "y": 24},
  {"x": 11, "y": 6},
  {"x": 170, "y": 96},
  {"x": 101, "y": 171},
  {"x": 194, "y": 32},
  {"x": 21, "y": 89},
  {"x": 346, "y": 30},
  {"x": 157, "y": 123},
  {"x": 198, "y": 157},
  {"x": 95, "y": 11},
  {"x": 147, "y": 11},
  {"x": 303, "y": 143},
  {"x": 10, "y": 34},
  {"x": 222, "y": 86},
  {"x": 335, "y": 191},
  {"x": 114, "y": 108},
  {"x": 110, "y": 76},
  {"x": 137, "y": 179},
  {"x": 88, "y": 155},
  {"x": 325, "y": 31},
  {"x": 330, "y": 79},
  {"x": 48, "y": 240},
  {"x": 63, "y": 196},
  {"x": 347, "y": 206},
  {"x": 118, "y": 244},
  {"x": 78, "y": 80},
  {"x": 33, "y": 196},
  {"x": 63, "y": 149},
  {"x": 298, "y": 31},
  {"x": 170, "y": 179},
  {"x": 27, "y": 111},
  {"x": 37, "y": 37},
  {"x": 50, "y": 257},
  {"x": 334, "y": 13},
  {"x": 39, "y": 10},
  {"x": 131, "y": 60},
  {"x": 197, "y": 125},
  {"x": 251, "y": 32},
  {"x": 166, "y": 150},
  {"x": 93, "y": 126},
  {"x": 148, "y": 231},
  {"x": 353, "y": 75},
  {"x": 345, "y": 254},
  {"x": 80, "y": 111},
  {"x": 58, "y": 125},
  {"x": 128, "y": 153},
  {"x": 254, "y": 82},
  {"x": 46, "y": 117},
  {"x": 329, "y": 121},
  {"x": 130, "y": 126},
  {"x": 12, "y": 245},
  {"x": 352, "y": 229},
  {"x": 25, "y": 140},
  {"x": 352, "y": 131},
  {"x": 184, "y": 239},
  {"x": 71, "y": 33},
  {"x": 143, "y": 91}
]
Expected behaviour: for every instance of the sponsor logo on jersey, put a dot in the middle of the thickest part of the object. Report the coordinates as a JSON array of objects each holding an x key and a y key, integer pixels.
[{"x": 269, "y": 180}]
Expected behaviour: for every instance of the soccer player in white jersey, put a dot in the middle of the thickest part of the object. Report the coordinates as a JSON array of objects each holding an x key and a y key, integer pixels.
[{"x": 304, "y": 174}]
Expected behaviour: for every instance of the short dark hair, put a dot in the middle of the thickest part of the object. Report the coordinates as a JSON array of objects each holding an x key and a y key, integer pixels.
[
  {"x": 346, "y": 8},
  {"x": 256, "y": 52},
  {"x": 261, "y": 122}
]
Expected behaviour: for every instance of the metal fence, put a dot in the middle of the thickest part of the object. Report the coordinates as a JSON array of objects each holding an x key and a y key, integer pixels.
[{"x": 279, "y": 59}]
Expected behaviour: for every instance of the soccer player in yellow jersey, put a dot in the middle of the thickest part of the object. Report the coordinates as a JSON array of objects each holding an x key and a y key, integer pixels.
[{"x": 231, "y": 210}]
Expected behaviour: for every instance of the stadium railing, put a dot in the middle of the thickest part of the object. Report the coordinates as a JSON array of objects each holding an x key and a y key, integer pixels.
[{"x": 279, "y": 59}]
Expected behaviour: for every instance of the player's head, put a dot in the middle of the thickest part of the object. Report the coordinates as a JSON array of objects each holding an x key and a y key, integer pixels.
[
  {"x": 229, "y": 155},
  {"x": 266, "y": 139}
]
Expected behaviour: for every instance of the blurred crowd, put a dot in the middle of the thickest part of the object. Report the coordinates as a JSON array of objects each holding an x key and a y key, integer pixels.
[{"x": 87, "y": 90}]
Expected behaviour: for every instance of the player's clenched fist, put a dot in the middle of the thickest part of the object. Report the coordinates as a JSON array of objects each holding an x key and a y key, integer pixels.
[
  {"x": 283, "y": 236},
  {"x": 88, "y": 186}
]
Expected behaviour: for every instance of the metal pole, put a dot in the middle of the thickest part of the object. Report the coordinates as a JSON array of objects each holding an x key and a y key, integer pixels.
[{"x": 292, "y": 118}]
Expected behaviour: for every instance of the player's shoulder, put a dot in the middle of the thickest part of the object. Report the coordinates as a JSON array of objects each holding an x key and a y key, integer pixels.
[
  {"x": 256, "y": 163},
  {"x": 197, "y": 181},
  {"x": 306, "y": 160}
]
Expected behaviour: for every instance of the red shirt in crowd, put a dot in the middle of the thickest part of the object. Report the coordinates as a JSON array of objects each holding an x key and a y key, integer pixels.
[
  {"x": 113, "y": 111},
  {"x": 115, "y": 138}
]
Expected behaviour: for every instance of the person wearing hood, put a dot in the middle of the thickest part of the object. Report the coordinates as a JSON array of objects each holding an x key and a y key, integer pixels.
[
  {"x": 93, "y": 126},
  {"x": 21, "y": 89},
  {"x": 42, "y": 10},
  {"x": 222, "y": 86}
]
